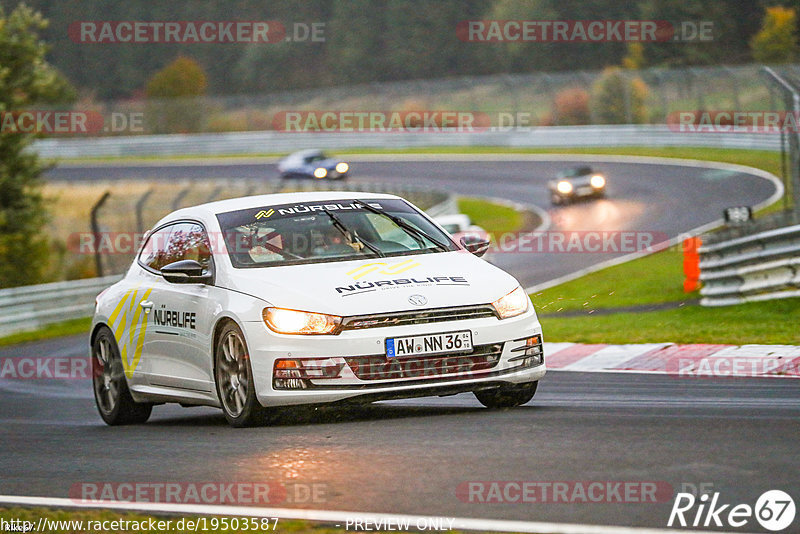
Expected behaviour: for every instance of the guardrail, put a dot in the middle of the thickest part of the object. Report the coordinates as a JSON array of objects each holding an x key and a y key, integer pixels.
[
  {"x": 751, "y": 268},
  {"x": 270, "y": 142},
  {"x": 31, "y": 307}
]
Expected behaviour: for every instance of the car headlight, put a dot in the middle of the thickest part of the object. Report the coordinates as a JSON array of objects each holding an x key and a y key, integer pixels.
[
  {"x": 299, "y": 322},
  {"x": 342, "y": 167},
  {"x": 597, "y": 181},
  {"x": 564, "y": 187},
  {"x": 319, "y": 172},
  {"x": 512, "y": 304}
]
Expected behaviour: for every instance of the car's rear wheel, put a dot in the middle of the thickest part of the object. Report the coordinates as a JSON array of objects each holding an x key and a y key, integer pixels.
[
  {"x": 111, "y": 394},
  {"x": 234, "y": 379},
  {"x": 507, "y": 396}
]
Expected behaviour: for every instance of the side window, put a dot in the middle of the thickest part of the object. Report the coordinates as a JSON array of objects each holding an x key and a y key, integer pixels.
[{"x": 181, "y": 241}]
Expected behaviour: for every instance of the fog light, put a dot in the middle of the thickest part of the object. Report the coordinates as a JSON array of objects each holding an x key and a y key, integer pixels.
[
  {"x": 532, "y": 352},
  {"x": 296, "y": 373}
]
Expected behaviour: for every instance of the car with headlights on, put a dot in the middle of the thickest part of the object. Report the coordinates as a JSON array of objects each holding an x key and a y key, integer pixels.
[
  {"x": 576, "y": 183},
  {"x": 269, "y": 301},
  {"x": 313, "y": 164}
]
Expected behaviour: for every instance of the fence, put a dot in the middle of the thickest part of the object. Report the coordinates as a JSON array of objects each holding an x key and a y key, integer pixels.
[
  {"x": 277, "y": 142},
  {"x": 644, "y": 96}
]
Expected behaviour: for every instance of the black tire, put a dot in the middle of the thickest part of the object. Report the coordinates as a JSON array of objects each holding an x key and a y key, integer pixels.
[
  {"x": 233, "y": 376},
  {"x": 507, "y": 396},
  {"x": 111, "y": 394}
]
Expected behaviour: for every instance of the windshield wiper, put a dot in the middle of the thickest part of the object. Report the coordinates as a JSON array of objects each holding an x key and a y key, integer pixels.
[
  {"x": 352, "y": 236},
  {"x": 418, "y": 235}
]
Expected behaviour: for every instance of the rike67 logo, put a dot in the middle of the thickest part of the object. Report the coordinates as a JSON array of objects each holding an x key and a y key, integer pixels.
[{"x": 774, "y": 510}]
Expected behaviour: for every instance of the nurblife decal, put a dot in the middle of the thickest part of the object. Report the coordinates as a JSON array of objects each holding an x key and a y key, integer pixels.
[{"x": 128, "y": 315}]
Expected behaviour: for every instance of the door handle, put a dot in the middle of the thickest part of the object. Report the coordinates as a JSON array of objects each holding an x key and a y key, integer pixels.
[{"x": 147, "y": 305}]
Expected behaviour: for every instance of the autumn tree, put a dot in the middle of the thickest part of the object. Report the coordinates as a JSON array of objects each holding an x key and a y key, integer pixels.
[
  {"x": 174, "y": 94},
  {"x": 776, "y": 42},
  {"x": 26, "y": 81}
]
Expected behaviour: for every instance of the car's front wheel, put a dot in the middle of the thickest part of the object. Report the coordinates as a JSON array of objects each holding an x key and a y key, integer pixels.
[
  {"x": 111, "y": 394},
  {"x": 234, "y": 379},
  {"x": 507, "y": 396}
]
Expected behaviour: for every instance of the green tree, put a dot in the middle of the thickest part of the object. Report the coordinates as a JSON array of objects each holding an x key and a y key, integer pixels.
[
  {"x": 174, "y": 97},
  {"x": 618, "y": 98},
  {"x": 776, "y": 42},
  {"x": 26, "y": 81}
]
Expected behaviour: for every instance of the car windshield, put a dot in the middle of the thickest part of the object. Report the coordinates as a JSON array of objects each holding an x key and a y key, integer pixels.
[
  {"x": 576, "y": 172},
  {"x": 325, "y": 231},
  {"x": 316, "y": 157}
]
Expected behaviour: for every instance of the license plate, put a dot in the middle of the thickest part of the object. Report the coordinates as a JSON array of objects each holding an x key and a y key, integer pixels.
[{"x": 429, "y": 344}]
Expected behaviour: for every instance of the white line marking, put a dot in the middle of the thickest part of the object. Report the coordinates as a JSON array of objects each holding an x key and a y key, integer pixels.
[
  {"x": 612, "y": 356},
  {"x": 339, "y": 517}
]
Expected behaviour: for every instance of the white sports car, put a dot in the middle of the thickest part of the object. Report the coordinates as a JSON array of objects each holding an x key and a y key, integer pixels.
[{"x": 302, "y": 298}]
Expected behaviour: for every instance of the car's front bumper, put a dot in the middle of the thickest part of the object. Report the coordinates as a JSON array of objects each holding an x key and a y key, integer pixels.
[{"x": 367, "y": 374}]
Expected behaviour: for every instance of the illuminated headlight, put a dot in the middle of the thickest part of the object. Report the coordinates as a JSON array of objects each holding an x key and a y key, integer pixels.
[
  {"x": 300, "y": 322},
  {"x": 513, "y": 304},
  {"x": 342, "y": 167},
  {"x": 564, "y": 187},
  {"x": 319, "y": 172},
  {"x": 597, "y": 181}
]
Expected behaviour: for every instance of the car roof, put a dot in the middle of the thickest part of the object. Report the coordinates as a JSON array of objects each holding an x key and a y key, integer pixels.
[
  {"x": 211, "y": 209},
  {"x": 305, "y": 153}
]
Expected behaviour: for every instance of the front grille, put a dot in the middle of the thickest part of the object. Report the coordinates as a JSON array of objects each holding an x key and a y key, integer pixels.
[
  {"x": 482, "y": 358},
  {"x": 413, "y": 317}
]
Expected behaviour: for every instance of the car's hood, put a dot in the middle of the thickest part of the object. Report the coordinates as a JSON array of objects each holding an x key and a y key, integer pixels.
[{"x": 376, "y": 285}]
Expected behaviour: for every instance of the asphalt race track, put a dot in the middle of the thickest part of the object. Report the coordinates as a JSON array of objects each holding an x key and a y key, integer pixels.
[{"x": 737, "y": 436}]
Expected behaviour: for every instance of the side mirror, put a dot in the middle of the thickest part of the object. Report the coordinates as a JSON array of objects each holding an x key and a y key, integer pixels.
[
  {"x": 185, "y": 272},
  {"x": 475, "y": 245}
]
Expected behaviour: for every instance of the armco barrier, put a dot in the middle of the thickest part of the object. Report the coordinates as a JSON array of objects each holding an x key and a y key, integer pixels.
[
  {"x": 270, "y": 142},
  {"x": 755, "y": 267},
  {"x": 30, "y": 307}
]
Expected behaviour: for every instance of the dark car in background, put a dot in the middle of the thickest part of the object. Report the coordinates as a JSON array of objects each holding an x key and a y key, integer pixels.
[
  {"x": 314, "y": 164},
  {"x": 575, "y": 183}
]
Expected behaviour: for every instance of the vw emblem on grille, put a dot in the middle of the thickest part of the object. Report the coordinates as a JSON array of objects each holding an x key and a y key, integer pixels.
[{"x": 417, "y": 300}]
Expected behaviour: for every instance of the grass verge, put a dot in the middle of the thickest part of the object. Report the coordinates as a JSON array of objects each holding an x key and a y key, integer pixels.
[
  {"x": 497, "y": 218},
  {"x": 64, "y": 328},
  {"x": 650, "y": 279},
  {"x": 757, "y": 323}
]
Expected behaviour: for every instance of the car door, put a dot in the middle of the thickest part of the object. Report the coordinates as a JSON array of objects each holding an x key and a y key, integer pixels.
[{"x": 180, "y": 315}]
